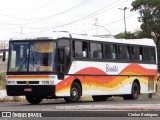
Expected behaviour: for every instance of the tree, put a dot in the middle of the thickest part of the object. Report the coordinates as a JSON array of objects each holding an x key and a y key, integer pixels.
[
  {"x": 129, "y": 35},
  {"x": 149, "y": 16}
]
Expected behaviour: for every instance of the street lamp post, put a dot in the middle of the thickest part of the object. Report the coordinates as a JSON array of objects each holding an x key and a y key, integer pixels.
[
  {"x": 103, "y": 28},
  {"x": 124, "y": 9}
]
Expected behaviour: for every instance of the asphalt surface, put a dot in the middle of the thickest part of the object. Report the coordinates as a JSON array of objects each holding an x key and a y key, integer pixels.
[
  {"x": 60, "y": 105},
  {"x": 87, "y": 110}
]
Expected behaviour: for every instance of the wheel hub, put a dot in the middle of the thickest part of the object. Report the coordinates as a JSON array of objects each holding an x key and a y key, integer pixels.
[{"x": 74, "y": 93}]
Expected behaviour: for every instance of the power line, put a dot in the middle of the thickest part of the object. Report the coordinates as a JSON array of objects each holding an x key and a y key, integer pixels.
[
  {"x": 34, "y": 9},
  {"x": 85, "y": 17},
  {"x": 2, "y": 29},
  {"x": 80, "y": 19},
  {"x": 46, "y": 17},
  {"x": 80, "y": 31},
  {"x": 107, "y": 24},
  {"x": 74, "y": 7}
]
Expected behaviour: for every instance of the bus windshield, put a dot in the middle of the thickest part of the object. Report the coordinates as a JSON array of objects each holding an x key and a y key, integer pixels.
[{"x": 32, "y": 56}]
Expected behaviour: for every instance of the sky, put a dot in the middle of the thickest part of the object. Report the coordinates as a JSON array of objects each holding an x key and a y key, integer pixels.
[{"x": 21, "y": 17}]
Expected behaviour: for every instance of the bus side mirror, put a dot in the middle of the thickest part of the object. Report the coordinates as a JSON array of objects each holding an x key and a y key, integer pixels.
[{"x": 4, "y": 56}]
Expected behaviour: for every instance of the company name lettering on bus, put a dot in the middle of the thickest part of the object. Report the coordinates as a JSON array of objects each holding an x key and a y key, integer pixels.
[{"x": 111, "y": 68}]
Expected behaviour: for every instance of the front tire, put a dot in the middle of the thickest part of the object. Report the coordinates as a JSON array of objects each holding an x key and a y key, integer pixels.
[
  {"x": 75, "y": 93},
  {"x": 34, "y": 99}
]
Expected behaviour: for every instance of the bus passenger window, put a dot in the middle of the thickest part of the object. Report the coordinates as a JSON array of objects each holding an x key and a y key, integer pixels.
[
  {"x": 110, "y": 51},
  {"x": 128, "y": 53},
  {"x": 96, "y": 50},
  {"x": 114, "y": 51},
  {"x": 141, "y": 54},
  {"x": 149, "y": 54},
  {"x": 108, "y": 54},
  {"x": 85, "y": 49},
  {"x": 123, "y": 52},
  {"x": 136, "y": 53},
  {"x": 78, "y": 49},
  {"x": 153, "y": 56},
  {"x": 99, "y": 47}
]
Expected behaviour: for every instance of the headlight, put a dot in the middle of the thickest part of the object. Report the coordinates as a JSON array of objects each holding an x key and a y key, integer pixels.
[{"x": 51, "y": 82}]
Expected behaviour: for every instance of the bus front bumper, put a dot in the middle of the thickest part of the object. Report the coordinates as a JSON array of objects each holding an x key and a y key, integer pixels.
[{"x": 36, "y": 90}]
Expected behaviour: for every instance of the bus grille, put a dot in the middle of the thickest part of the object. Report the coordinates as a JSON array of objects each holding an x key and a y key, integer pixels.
[{"x": 27, "y": 82}]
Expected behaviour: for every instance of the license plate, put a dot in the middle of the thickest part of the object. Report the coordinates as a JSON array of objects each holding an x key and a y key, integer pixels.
[{"x": 27, "y": 89}]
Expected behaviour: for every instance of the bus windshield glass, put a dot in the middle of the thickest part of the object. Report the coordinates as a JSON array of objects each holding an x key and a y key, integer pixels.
[{"x": 32, "y": 56}]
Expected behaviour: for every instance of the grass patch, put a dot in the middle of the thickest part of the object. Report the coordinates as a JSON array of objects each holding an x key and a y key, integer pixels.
[
  {"x": 12, "y": 99},
  {"x": 86, "y": 98},
  {"x": 2, "y": 80}
]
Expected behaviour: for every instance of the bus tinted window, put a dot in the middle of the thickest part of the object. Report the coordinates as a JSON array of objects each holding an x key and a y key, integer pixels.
[
  {"x": 78, "y": 49},
  {"x": 123, "y": 52},
  {"x": 85, "y": 49},
  {"x": 129, "y": 56},
  {"x": 149, "y": 54},
  {"x": 137, "y": 53},
  {"x": 63, "y": 43},
  {"x": 110, "y": 51},
  {"x": 153, "y": 56},
  {"x": 95, "y": 50}
]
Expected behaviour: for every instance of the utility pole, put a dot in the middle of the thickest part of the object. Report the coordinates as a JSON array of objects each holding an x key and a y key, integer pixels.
[
  {"x": 21, "y": 30},
  {"x": 124, "y": 9},
  {"x": 96, "y": 22}
]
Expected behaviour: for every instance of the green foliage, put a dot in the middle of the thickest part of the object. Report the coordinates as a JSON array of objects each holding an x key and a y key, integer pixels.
[
  {"x": 149, "y": 11},
  {"x": 129, "y": 35},
  {"x": 140, "y": 35}
]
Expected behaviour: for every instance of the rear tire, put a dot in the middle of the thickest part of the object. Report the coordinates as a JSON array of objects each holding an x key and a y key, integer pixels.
[
  {"x": 99, "y": 98},
  {"x": 75, "y": 93},
  {"x": 134, "y": 93},
  {"x": 34, "y": 99}
]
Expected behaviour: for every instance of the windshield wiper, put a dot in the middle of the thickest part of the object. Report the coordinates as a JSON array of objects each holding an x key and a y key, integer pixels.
[{"x": 20, "y": 68}]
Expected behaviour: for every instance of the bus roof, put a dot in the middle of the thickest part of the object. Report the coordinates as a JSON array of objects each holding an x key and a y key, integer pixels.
[{"x": 144, "y": 41}]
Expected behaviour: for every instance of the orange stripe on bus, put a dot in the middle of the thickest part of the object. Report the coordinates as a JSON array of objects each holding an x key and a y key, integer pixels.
[
  {"x": 107, "y": 81},
  {"x": 28, "y": 77}
]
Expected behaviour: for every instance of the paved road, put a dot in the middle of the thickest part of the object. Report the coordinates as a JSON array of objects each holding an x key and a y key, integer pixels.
[
  {"x": 139, "y": 105},
  {"x": 92, "y": 110}
]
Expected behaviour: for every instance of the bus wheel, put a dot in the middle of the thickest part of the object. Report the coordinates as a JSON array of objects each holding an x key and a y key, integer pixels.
[
  {"x": 34, "y": 99},
  {"x": 134, "y": 93},
  {"x": 99, "y": 98},
  {"x": 75, "y": 93}
]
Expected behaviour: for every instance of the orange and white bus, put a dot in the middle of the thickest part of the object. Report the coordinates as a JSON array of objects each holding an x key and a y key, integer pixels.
[{"x": 70, "y": 66}]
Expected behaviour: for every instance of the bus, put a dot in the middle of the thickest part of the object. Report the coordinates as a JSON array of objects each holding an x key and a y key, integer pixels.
[{"x": 70, "y": 66}]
